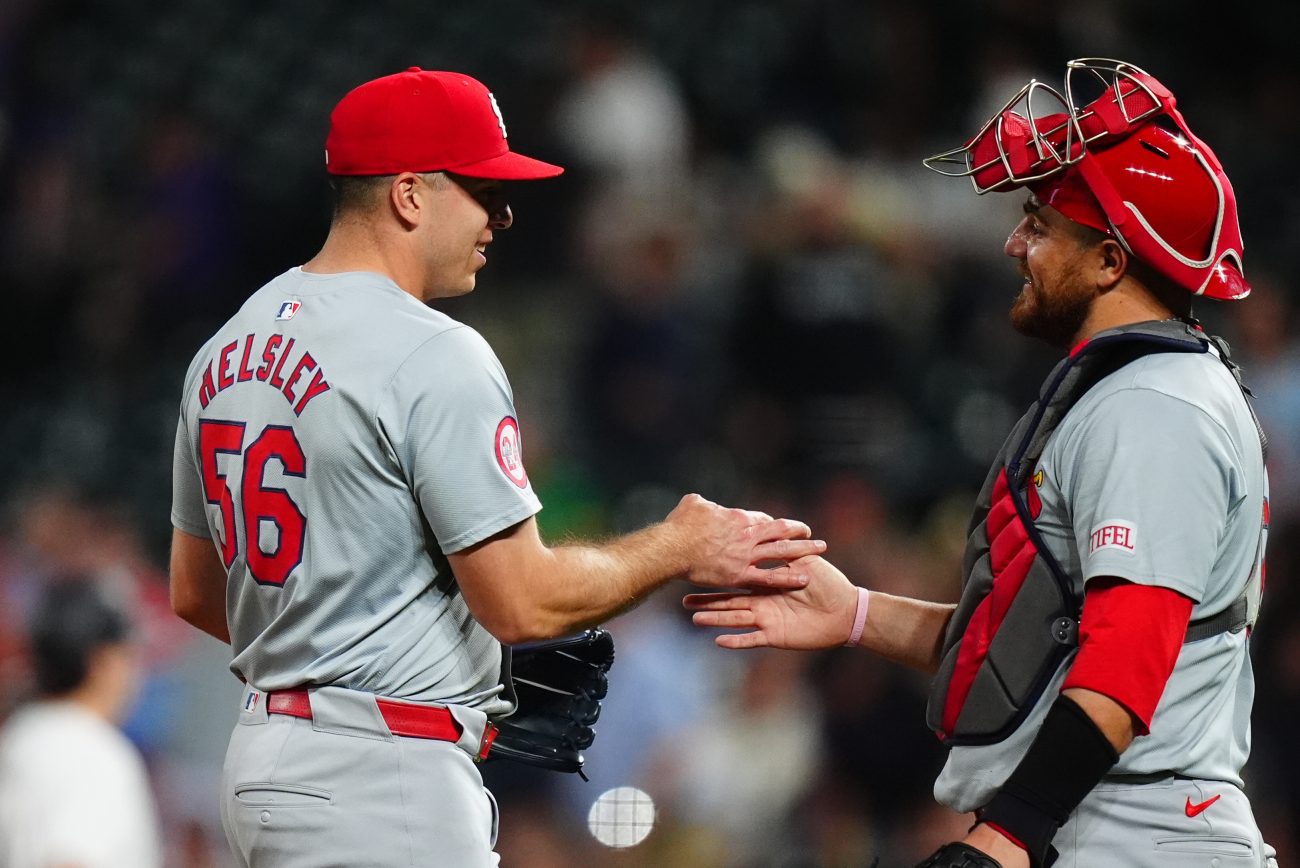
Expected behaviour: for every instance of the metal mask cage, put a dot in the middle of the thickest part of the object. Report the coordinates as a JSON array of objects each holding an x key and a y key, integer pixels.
[
  {"x": 1118, "y": 100},
  {"x": 1145, "y": 97},
  {"x": 1128, "y": 96},
  {"x": 960, "y": 162}
]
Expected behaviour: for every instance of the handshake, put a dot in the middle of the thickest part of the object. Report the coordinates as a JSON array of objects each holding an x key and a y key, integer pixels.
[
  {"x": 758, "y": 568},
  {"x": 777, "y": 587}
]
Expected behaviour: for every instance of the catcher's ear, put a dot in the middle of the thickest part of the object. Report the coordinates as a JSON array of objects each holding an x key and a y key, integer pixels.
[{"x": 1112, "y": 264}]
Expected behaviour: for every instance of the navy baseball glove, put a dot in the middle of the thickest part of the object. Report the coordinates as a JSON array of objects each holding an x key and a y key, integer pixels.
[{"x": 559, "y": 685}]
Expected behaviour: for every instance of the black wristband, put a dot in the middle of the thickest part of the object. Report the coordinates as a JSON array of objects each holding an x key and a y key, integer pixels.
[{"x": 1067, "y": 759}]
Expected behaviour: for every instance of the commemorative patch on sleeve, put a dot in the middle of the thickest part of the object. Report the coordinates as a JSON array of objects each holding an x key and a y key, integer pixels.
[
  {"x": 1113, "y": 533},
  {"x": 510, "y": 453}
]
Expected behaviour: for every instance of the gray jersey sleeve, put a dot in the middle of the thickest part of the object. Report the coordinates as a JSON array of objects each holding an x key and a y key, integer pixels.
[
  {"x": 449, "y": 419},
  {"x": 1150, "y": 485},
  {"x": 188, "y": 503}
]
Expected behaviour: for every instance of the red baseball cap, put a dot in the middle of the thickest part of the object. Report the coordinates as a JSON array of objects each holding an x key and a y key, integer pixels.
[{"x": 425, "y": 121}]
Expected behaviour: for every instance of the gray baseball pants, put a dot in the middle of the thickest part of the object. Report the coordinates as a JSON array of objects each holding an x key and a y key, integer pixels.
[
  {"x": 342, "y": 790},
  {"x": 1163, "y": 823}
]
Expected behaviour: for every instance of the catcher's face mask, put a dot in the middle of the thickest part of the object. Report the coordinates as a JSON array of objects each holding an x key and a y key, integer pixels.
[{"x": 1109, "y": 161}]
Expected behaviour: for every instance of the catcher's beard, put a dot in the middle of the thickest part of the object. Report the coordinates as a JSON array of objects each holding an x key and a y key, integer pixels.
[{"x": 1056, "y": 315}]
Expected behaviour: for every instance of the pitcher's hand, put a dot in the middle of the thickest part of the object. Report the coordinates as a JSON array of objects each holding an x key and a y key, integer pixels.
[{"x": 726, "y": 547}]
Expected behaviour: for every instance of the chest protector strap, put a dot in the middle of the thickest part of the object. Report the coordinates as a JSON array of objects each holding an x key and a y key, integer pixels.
[{"x": 1018, "y": 617}]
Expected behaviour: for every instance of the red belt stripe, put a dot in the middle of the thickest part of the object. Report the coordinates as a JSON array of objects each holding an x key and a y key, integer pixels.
[{"x": 403, "y": 718}]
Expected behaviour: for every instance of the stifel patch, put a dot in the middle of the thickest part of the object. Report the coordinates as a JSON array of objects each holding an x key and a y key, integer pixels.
[{"x": 1113, "y": 533}]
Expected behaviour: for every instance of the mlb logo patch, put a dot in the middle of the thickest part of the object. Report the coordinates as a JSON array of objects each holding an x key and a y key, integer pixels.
[
  {"x": 250, "y": 701},
  {"x": 287, "y": 309}
]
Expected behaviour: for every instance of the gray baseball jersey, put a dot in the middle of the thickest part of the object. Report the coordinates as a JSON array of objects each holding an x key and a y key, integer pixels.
[
  {"x": 1156, "y": 476},
  {"x": 337, "y": 439}
]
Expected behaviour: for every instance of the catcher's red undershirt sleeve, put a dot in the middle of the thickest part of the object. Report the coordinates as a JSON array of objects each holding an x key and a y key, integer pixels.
[{"x": 1130, "y": 636}]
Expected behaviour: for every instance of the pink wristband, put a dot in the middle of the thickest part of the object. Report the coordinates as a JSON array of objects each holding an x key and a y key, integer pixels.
[{"x": 859, "y": 617}]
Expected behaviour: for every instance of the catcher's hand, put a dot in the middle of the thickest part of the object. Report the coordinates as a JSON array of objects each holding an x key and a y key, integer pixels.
[
  {"x": 817, "y": 616},
  {"x": 559, "y": 685}
]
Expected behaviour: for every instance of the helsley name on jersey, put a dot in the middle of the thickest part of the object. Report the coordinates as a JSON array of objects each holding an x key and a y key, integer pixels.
[{"x": 274, "y": 357}]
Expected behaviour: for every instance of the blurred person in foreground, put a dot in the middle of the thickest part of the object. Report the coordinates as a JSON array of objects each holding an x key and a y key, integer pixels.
[
  {"x": 352, "y": 513},
  {"x": 1093, "y": 683},
  {"x": 74, "y": 792}
]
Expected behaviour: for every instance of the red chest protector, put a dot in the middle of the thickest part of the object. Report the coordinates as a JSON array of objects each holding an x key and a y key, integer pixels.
[{"x": 1018, "y": 617}]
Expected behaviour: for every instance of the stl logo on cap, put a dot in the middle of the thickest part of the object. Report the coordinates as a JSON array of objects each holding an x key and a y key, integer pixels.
[
  {"x": 510, "y": 453},
  {"x": 496, "y": 110}
]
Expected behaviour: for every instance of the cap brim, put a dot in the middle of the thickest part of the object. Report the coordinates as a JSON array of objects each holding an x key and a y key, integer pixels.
[{"x": 509, "y": 167}]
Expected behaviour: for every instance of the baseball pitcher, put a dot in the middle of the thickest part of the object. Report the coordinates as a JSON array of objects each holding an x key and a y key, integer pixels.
[{"x": 353, "y": 515}]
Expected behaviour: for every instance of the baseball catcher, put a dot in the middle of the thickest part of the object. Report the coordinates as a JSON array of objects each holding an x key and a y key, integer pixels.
[{"x": 1093, "y": 684}]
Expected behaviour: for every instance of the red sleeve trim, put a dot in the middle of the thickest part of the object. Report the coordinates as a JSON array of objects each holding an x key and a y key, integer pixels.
[
  {"x": 1005, "y": 834},
  {"x": 1130, "y": 637}
]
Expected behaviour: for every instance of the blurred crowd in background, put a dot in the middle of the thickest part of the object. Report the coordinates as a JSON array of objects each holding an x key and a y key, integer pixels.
[{"x": 745, "y": 285}]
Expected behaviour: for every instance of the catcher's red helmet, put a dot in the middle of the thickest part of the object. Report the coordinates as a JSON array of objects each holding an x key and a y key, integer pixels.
[{"x": 1111, "y": 165}]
